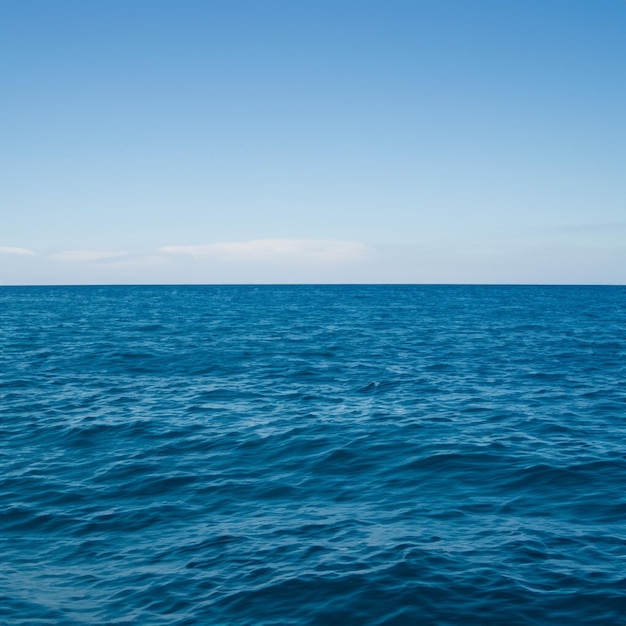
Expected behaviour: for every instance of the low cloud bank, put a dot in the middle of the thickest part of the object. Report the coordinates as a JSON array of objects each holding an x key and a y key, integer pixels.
[
  {"x": 298, "y": 251},
  {"x": 86, "y": 256},
  {"x": 310, "y": 252},
  {"x": 13, "y": 250}
]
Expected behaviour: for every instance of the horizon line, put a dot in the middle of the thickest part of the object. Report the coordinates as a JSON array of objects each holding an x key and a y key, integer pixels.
[{"x": 399, "y": 284}]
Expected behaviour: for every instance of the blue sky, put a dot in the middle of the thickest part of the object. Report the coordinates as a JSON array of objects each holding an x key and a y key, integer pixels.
[{"x": 254, "y": 141}]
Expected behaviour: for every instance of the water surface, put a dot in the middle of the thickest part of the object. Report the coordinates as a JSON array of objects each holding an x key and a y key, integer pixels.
[{"x": 313, "y": 455}]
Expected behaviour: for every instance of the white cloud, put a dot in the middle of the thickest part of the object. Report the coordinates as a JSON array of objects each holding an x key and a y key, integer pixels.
[
  {"x": 86, "y": 256},
  {"x": 12, "y": 250},
  {"x": 148, "y": 260},
  {"x": 297, "y": 251}
]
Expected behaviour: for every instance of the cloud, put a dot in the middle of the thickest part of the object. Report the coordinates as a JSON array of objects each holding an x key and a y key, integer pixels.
[
  {"x": 12, "y": 250},
  {"x": 297, "y": 251},
  {"x": 147, "y": 260},
  {"x": 87, "y": 256}
]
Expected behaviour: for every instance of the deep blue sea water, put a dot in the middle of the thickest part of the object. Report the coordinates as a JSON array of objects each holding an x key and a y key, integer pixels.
[{"x": 313, "y": 455}]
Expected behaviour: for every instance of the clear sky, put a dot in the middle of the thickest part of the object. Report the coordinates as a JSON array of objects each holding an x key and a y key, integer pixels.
[{"x": 255, "y": 141}]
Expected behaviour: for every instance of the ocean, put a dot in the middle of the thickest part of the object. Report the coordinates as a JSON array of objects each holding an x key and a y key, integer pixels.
[{"x": 313, "y": 455}]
